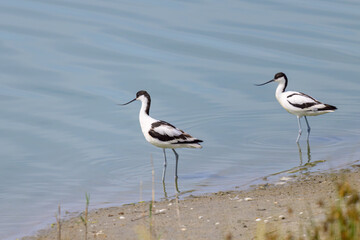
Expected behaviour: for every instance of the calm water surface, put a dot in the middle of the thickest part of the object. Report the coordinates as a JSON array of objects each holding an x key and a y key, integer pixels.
[{"x": 64, "y": 66}]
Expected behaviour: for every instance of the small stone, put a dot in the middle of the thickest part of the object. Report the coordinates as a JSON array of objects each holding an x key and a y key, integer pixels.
[
  {"x": 258, "y": 219},
  {"x": 217, "y": 223},
  {"x": 234, "y": 198},
  {"x": 200, "y": 217},
  {"x": 281, "y": 217},
  {"x": 160, "y": 210},
  {"x": 248, "y": 199},
  {"x": 285, "y": 178},
  {"x": 121, "y": 217}
]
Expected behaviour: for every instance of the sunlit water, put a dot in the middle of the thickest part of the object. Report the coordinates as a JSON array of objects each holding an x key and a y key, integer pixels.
[{"x": 64, "y": 66}]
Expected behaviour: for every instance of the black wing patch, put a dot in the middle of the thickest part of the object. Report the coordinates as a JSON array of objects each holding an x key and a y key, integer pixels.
[
  {"x": 303, "y": 105},
  {"x": 161, "y": 137},
  {"x": 159, "y": 123}
]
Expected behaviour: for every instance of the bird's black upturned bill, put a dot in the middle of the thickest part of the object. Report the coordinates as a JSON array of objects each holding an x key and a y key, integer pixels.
[
  {"x": 265, "y": 83},
  {"x": 127, "y": 102}
]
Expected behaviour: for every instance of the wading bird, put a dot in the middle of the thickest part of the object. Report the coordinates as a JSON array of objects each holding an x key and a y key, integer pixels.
[
  {"x": 162, "y": 134},
  {"x": 298, "y": 103}
]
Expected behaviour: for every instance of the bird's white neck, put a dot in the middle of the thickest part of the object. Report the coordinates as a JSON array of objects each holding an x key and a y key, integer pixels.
[
  {"x": 145, "y": 107},
  {"x": 280, "y": 88},
  {"x": 144, "y": 117}
]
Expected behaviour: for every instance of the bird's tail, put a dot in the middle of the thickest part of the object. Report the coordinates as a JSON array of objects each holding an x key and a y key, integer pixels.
[
  {"x": 328, "y": 108},
  {"x": 195, "y": 143}
]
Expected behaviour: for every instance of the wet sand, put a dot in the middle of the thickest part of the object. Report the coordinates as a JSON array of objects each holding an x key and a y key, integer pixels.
[{"x": 222, "y": 215}]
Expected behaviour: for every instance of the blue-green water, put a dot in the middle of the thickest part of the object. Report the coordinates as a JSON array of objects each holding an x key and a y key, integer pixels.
[{"x": 64, "y": 66}]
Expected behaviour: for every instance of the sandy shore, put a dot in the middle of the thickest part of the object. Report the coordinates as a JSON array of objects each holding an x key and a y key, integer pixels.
[{"x": 222, "y": 215}]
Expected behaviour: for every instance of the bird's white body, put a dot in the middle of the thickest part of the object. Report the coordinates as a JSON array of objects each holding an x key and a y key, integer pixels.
[
  {"x": 298, "y": 103},
  {"x": 292, "y": 100}
]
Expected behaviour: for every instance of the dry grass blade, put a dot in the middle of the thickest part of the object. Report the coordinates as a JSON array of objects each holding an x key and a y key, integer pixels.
[{"x": 58, "y": 222}]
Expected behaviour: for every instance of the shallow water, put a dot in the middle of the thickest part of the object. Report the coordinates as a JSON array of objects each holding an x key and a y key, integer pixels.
[{"x": 66, "y": 64}]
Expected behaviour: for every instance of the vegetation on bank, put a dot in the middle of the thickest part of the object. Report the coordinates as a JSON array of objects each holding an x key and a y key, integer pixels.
[{"x": 341, "y": 222}]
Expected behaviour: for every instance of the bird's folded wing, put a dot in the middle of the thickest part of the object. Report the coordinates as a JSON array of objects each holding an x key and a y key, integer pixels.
[{"x": 301, "y": 100}]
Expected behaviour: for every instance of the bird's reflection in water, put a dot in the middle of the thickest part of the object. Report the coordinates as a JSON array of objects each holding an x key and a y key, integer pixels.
[
  {"x": 176, "y": 188},
  {"x": 308, "y": 153},
  {"x": 176, "y": 185},
  {"x": 165, "y": 193}
]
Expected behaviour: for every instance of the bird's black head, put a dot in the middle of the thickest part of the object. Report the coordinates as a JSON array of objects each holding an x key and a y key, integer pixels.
[
  {"x": 280, "y": 75},
  {"x": 142, "y": 93},
  {"x": 144, "y": 97}
]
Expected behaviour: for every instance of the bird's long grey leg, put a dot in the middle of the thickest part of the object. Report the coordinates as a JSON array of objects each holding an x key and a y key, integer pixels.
[
  {"x": 308, "y": 130},
  {"x": 176, "y": 165},
  {"x": 300, "y": 131},
  {"x": 164, "y": 169}
]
